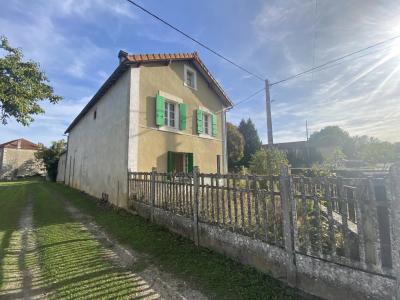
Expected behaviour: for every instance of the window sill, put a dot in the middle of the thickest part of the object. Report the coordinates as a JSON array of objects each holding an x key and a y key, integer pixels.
[
  {"x": 170, "y": 129},
  {"x": 190, "y": 87},
  {"x": 206, "y": 136}
]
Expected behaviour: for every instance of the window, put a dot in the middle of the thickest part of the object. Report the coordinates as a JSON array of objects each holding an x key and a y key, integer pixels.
[
  {"x": 206, "y": 123},
  {"x": 169, "y": 114},
  {"x": 190, "y": 77},
  {"x": 95, "y": 114},
  {"x": 218, "y": 164}
]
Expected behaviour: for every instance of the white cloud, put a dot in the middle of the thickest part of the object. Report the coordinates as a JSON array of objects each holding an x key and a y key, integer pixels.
[{"x": 360, "y": 94}]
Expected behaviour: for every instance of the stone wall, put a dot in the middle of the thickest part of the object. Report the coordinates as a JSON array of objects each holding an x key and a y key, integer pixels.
[{"x": 20, "y": 163}]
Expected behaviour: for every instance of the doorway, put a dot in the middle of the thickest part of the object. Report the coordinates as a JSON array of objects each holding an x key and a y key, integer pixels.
[{"x": 179, "y": 162}]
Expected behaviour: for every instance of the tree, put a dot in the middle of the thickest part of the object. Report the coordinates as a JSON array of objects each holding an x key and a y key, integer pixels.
[
  {"x": 267, "y": 161},
  {"x": 335, "y": 160},
  {"x": 252, "y": 142},
  {"x": 379, "y": 152},
  {"x": 335, "y": 137},
  {"x": 235, "y": 145},
  {"x": 51, "y": 156},
  {"x": 22, "y": 86}
]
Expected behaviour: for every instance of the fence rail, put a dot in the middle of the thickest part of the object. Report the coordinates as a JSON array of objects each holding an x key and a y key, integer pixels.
[{"x": 346, "y": 221}]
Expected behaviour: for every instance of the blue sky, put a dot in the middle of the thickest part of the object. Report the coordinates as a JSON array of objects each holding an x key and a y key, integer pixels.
[{"x": 76, "y": 43}]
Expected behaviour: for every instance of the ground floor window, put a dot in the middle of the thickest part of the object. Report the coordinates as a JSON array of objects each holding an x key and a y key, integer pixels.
[{"x": 179, "y": 162}]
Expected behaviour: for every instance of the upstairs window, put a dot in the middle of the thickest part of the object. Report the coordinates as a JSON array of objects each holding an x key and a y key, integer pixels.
[
  {"x": 169, "y": 114},
  {"x": 206, "y": 123},
  {"x": 190, "y": 77}
]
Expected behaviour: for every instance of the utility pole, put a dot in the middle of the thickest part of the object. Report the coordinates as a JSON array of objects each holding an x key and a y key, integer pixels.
[
  {"x": 269, "y": 116},
  {"x": 307, "y": 130}
]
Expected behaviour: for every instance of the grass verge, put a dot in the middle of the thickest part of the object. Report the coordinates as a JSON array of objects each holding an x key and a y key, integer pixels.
[
  {"x": 72, "y": 262},
  {"x": 216, "y": 276}
]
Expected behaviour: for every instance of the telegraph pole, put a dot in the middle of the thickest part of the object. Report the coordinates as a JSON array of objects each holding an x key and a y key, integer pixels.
[{"x": 269, "y": 116}]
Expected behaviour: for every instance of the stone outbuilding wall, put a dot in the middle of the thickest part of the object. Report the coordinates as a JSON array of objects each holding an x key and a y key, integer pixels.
[{"x": 17, "y": 159}]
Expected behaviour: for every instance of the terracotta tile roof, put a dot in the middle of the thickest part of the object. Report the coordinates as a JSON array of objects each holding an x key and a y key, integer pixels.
[
  {"x": 146, "y": 58},
  {"x": 24, "y": 144}
]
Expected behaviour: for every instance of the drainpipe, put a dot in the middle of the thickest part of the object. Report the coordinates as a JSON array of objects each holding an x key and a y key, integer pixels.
[{"x": 224, "y": 137}]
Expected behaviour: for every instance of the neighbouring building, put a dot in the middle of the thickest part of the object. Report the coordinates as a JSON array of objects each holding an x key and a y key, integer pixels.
[
  {"x": 155, "y": 110},
  {"x": 17, "y": 159}
]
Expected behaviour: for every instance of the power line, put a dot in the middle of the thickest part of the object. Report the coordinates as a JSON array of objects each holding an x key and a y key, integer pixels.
[
  {"x": 248, "y": 98},
  {"x": 195, "y": 40},
  {"x": 334, "y": 60}
]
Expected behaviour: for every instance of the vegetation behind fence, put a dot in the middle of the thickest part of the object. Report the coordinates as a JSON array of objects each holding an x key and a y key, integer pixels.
[{"x": 346, "y": 221}]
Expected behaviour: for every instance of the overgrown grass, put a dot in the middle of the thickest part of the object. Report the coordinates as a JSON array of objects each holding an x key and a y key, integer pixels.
[
  {"x": 12, "y": 201},
  {"x": 72, "y": 263},
  {"x": 215, "y": 275}
]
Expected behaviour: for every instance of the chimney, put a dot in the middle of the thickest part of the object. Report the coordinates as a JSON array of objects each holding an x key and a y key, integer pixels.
[
  {"x": 122, "y": 56},
  {"x": 19, "y": 144}
]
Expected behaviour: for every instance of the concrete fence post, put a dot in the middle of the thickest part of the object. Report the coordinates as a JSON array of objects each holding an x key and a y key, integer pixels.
[
  {"x": 153, "y": 193},
  {"x": 395, "y": 222},
  {"x": 288, "y": 213},
  {"x": 196, "y": 172}
]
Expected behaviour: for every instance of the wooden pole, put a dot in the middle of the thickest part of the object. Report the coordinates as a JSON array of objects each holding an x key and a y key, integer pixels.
[{"x": 269, "y": 116}]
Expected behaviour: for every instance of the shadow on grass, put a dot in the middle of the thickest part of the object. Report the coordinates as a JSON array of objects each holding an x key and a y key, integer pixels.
[
  {"x": 13, "y": 198},
  {"x": 73, "y": 264},
  {"x": 213, "y": 274}
]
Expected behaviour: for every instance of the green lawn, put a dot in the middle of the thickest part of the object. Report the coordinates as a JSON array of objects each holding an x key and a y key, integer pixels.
[
  {"x": 12, "y": 201},
  {"x": 214, "y": 275},
  {"x": 73, "y": 265},
  {"x": 72, "y": 262}
]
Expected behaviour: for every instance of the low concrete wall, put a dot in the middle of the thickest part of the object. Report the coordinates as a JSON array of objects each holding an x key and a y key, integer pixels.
[
  {"x": 313, "y": 275},
  {"x": 331, "y": 281},
  {"x": 175, "y": 223}
]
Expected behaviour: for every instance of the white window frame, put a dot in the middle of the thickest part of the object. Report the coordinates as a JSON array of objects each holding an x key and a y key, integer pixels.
[
  {"x": 169, "y": 98},
  {"x": 167, "y": 113},
  {"x": 206, "y": 111},
  {"x": 209, "y": 123},
  {"x": 186, "y": 68}
]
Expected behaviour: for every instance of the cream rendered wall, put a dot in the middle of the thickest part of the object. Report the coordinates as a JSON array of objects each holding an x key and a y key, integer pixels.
[
  {"x": 61, "y": 167},
  {"x": 154, "y": 143},
  {"x": 97, "y": 159}
]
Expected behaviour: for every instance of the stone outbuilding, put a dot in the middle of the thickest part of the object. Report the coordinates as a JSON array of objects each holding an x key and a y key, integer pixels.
[{"x": 17, "y": 160}]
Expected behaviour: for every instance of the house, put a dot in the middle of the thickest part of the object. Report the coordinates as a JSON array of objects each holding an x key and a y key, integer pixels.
[
  {"x": 17, "y": 159},
  {"x": 155, "y": 110}
]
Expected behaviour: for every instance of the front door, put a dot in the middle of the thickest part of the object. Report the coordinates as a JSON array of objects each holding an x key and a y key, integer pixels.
[{"x": 179, "y": 162}]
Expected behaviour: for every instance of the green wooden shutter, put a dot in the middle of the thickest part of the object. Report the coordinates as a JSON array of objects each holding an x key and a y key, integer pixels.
[
  {"x": 199, "y": 114},
  {"x": 169, "y": 162},
  {"x": 182, "y": 116},
  {"x": 189, "y": 162},
  {"x": 160, "y": 110},
  {"x": 214, "y": 125}
]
